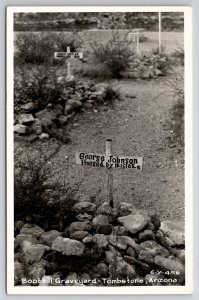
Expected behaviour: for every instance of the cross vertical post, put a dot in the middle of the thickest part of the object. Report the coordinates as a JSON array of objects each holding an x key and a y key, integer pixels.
[
  {"x": 68, "y": 63},
  {"x": 138, "y": 41},
  {"x": 160, "y": 29},
  {"x": 110, "y": 174}
]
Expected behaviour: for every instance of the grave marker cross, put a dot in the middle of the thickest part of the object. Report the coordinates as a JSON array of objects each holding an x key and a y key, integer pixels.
[
  {"x": 109, "y": 161},
  {"x": 68, "y": 56}
]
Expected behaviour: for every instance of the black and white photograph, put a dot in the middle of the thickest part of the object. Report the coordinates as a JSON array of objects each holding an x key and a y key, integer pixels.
[{"x": 98, "y": 176}]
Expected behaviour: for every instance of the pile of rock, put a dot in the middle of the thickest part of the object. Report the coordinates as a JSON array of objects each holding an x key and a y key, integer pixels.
[
  {"x": 103, "y": 246},
  {"x": 31, "y": 123},
  {"x": 147, "y": 67}
]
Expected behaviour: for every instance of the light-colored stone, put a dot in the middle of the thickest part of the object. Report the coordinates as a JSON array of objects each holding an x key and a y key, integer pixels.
[
  {"x": 174, "y": 231},
  {"x": 68, "y": 246},
  {"x": 100, "y": 240},
  {"x": 101, "y": 88},
  {"x": 21, "y": 129},
  {"x": 30, "y": 106},
  {"x": 134, "y": 223},
  {"x": 33, "y": 253},
  {"x": 25, "y": 119},
  {"x": 154, "y": 248},
  {"x": 44, "y": 136}
]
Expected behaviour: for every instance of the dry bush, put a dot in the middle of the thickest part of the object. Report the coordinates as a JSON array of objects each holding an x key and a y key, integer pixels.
[
  {"x": 115, "y": 55},
  {"x": 38, "y": 196},
  {"x": 38, "y": 48},
  {"x": 42, "y": 86}
]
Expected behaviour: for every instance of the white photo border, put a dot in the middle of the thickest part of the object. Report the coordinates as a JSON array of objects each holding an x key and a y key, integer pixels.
[{"x": 141, "y": 290}]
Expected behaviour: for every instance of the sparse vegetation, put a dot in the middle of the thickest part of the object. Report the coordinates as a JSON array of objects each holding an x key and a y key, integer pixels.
[
  {"x": 43, "y": 85},
  {"x": 115, "y": 55},
  {"x": 39, "y": 48},
  {"x": 44, "y": 201}
]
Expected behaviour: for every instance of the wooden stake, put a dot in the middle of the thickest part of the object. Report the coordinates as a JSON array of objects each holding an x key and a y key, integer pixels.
[
  {"x": 160, "y": 29},
  {"x": 110, "y": 175},
  {"x": 68, "y": 63},
  {"x": 138, "y": 41}
]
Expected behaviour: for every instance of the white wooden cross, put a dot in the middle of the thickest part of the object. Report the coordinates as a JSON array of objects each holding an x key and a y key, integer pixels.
[
  {"x": 109, "y": 162},
  {"x": 136, "y": 35},
  {"x": 68, "y": 55}
]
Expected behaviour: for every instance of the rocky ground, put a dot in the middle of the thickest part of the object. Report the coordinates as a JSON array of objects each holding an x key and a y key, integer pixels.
[{"x": 103, "y": 246}]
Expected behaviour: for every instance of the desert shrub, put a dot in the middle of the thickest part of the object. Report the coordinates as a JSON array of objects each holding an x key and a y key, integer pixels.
[
  {"x": 37, "y": 197},
  {"x": 112, "y": 93},
  {"x": 115, "y": 55},
  {"x": 39, "y": 48},
  {"x": 178, "y": 56},
  {"x": 176, "y": 90},
  {"x": 39, "y": 84}
]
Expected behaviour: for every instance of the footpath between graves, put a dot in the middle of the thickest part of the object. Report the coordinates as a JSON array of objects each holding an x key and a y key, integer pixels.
[{"x": 127, "y": 242}]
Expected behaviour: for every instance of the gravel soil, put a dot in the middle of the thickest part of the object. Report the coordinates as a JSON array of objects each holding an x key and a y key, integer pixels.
[{"x": 138, "y": 126}]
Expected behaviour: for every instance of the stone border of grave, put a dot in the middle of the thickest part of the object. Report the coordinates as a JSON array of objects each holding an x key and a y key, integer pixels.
[{"x": 103, "y": 246}]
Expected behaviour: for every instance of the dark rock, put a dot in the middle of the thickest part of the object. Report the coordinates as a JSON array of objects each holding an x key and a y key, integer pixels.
[
  {"x": 131, "y": 252},
  {"x": 101, "y": 269},
  {"x": 155, "y": 219},
  {"x": 48, "y": 125},
  {"x": 18, "y": 272},
  {"x": 104, "y": 229},
  {"x": 37, "y": 127},
  {"x": 80, "y": 226},
  {"x": 146, "y": 235}
]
